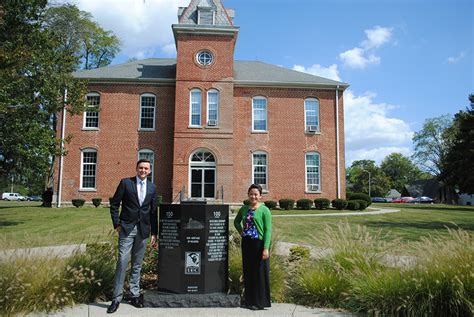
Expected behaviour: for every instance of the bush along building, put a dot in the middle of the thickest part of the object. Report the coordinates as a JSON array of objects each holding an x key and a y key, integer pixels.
[{"x": 210, "y": 125}]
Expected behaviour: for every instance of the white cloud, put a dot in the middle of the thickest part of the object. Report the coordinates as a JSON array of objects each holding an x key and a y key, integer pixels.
[
  {"x": 330, "y": 72},
  {"x": 370, "y": 132},
  {"x": 141, "y": 25},
  {"x": 363, "y": 56},
  {"x": 455, "y": 59}
]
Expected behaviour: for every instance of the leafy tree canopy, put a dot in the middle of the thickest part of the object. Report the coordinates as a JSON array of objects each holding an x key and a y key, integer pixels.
[
  {"x": 34, "y": 71},
  {"x": 459, "y": 163},
  {"x": 92, "y": 46},
  {"x": 358, "y": 176},
  {"x": 432, "y": 143},
  {"x": 400, "y": 170}
]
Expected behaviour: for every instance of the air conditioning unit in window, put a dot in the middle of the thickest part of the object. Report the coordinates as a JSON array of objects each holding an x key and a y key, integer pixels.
[
  {"x": 312, "y": 128},
  {"x": 313, "y": 188},
  {"x": 212, "y": 123}
]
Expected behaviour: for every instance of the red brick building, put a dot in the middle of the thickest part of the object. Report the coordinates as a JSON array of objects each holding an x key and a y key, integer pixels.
[{"x": 210, "y": 125}]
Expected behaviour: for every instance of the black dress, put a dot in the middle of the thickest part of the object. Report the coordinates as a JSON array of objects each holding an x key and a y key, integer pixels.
[{"x": 256, "y": 274}]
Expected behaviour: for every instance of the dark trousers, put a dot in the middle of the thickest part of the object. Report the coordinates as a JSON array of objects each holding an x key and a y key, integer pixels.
[{"x": 256, "y": 274}]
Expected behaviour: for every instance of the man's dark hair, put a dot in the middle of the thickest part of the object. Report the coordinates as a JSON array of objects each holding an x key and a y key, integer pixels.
[
  {"x": 256, "y": 186},
  {"x": 143, "y": 161}
]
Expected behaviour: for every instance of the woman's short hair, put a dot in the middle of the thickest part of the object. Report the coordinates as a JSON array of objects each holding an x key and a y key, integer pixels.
[{"x": 256, "y": 186}]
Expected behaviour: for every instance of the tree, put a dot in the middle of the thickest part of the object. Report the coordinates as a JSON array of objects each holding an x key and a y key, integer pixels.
[
  {"x": 93, "y": 46},
  {"x": 459, "y": 164},
  {"x": 34, "y": 72},
  {"x": 400, "y": 170},
  {"x": 358, "y": 176},
  {"x": 432, "y": 143}
]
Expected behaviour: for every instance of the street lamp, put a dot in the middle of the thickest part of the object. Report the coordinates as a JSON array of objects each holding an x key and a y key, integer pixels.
[{"x": 369, "y": 180}]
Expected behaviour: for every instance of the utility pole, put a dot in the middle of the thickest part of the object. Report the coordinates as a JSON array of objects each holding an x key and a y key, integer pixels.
[{"x": 369, "y": 180}]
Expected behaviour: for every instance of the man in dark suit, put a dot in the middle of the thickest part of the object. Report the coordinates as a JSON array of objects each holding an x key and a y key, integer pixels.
[{"x": 136, "y": 220}]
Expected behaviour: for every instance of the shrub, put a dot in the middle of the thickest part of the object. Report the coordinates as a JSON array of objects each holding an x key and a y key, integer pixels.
[
  {"x": 352, "y": 205},
  {"x": 362, "y": 204},
  {"x": 286, "y": 203},
  {"x": 246, "y": 202},
  {"x": 339, "y": 204},
  {"x": 298, "y": 254},
  {"x": 271, "y": 204},
  {"x": 96, "y": 202},
  {"x": 304, "y": 204},
  {"x": 360, "y": 196},
  {"x": 321, "y": 203},
  {"x": 78, "y": 202}
]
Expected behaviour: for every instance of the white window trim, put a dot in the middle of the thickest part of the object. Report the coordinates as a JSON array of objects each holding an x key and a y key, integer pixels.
[
  {"x": 152, "y": 161},
  {"x": 266, "y": 114},
  {"x": 217, "y": 110},
  {"x": 91, "y": 94},
  {"x": 140, "y": 113},
  {"x": 306, "y": 173},
  {"x": 265, "y": 190},
  {"x": 81, "y": 188},
  {"x": 191, "y": 109},
  {"x": 318, "y": 130},
  {"x": 203, "y": 166}
]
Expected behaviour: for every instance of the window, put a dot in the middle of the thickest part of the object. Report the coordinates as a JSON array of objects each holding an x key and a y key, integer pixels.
[
  {"x": 88, "y": 169},
  {"x": 260, "y": 169},
  {"x": 206, "y": 16},
  {"x": 149, "y": 155},
  {"x": 205, "y": 58},
  {"x": 313, "y": 179},
  {"x": 212, "y": 107},
  {"x": 195, "y": 116},
  {"x": 147, "y": 111},
  {"x": 91, "y": 118},
  {"x": 311, "y": 113},
  {"x": 259, "y": 114}
]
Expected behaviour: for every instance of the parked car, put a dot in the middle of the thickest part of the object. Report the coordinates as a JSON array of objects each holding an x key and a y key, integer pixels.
[
  {"x": 12, "y": 196},
  {"x": 379, "y": 200},
  {"x": 423, "y": 200},
  {"x": 403, "y": 200},
  {"x": 34, "y": 198}
]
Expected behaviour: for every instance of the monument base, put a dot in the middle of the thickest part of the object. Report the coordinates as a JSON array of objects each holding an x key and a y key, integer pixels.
[{"x": 170, "y": 300}]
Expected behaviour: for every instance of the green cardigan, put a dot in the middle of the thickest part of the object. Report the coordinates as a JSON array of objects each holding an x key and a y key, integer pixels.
[{"x": 263, "y": 221}]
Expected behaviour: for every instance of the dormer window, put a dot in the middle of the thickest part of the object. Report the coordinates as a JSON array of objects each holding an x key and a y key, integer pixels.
[{"x": 205, "y": 13}]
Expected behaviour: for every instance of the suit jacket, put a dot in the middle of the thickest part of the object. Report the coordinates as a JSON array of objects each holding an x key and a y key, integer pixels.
[{"x": 132, "y": 213}]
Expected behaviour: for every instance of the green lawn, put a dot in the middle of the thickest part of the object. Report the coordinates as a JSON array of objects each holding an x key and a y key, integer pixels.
[
  {"x": 410, "y": 224},
  {"x": 25, "y": 224}
]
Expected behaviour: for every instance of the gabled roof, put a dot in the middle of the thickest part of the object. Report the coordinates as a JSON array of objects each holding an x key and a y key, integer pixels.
[{"x": 246, "y": 73}]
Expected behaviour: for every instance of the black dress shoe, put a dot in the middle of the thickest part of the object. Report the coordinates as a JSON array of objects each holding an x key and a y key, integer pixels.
[
  {"x": 113, "y": 307},
  {"x": 137, "y": 301}
]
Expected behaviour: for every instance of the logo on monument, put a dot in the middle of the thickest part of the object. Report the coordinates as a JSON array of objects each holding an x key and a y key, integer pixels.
[{"x": 193, "y": 263}]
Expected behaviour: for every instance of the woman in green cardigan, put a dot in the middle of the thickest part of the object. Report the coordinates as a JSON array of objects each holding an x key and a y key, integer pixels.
[{"x": 254, "y": 223}]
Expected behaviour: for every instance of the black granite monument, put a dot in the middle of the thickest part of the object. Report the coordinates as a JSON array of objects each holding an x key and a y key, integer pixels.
[{"x": 193, "y": 256}]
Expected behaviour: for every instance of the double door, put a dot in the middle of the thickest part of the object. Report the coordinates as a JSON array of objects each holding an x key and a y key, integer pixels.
[{"x": 203, "y": 182}]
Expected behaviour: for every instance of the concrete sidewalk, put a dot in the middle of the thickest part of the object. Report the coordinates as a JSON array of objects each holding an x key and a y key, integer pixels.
[{"x": 277, "y": 310}]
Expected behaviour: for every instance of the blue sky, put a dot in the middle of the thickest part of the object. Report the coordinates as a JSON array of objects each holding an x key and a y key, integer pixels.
[{"x": 405, "y": 60}]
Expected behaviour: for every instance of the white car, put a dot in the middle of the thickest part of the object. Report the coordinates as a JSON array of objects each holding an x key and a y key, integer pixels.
[{"x": 12, "y": 196}]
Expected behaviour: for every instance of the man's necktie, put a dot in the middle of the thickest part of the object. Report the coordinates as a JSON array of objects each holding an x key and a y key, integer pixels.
[{"x": 141, "y": 196}]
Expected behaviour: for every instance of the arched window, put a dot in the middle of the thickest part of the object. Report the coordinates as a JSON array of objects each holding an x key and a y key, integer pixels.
[
  {"x": 311, "y": 115},
  {"x": 202, "y": 169},
  {"x": 147, "y": 111},
  {"x": 91, "y": 116},
  {"x": 313, "y": 172},
  {"x": 88, "y": 169},
  {"x": 195, "y": 108},
  {"x": 148, "y": 155},
  {"x": 260, "y": 169},
  {"x": 259, "y": 114},
  {"x": 212, "y": 107}
]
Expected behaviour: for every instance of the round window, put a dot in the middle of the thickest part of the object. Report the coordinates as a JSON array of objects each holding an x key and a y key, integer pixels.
[{"x": 205, "y": 58}]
